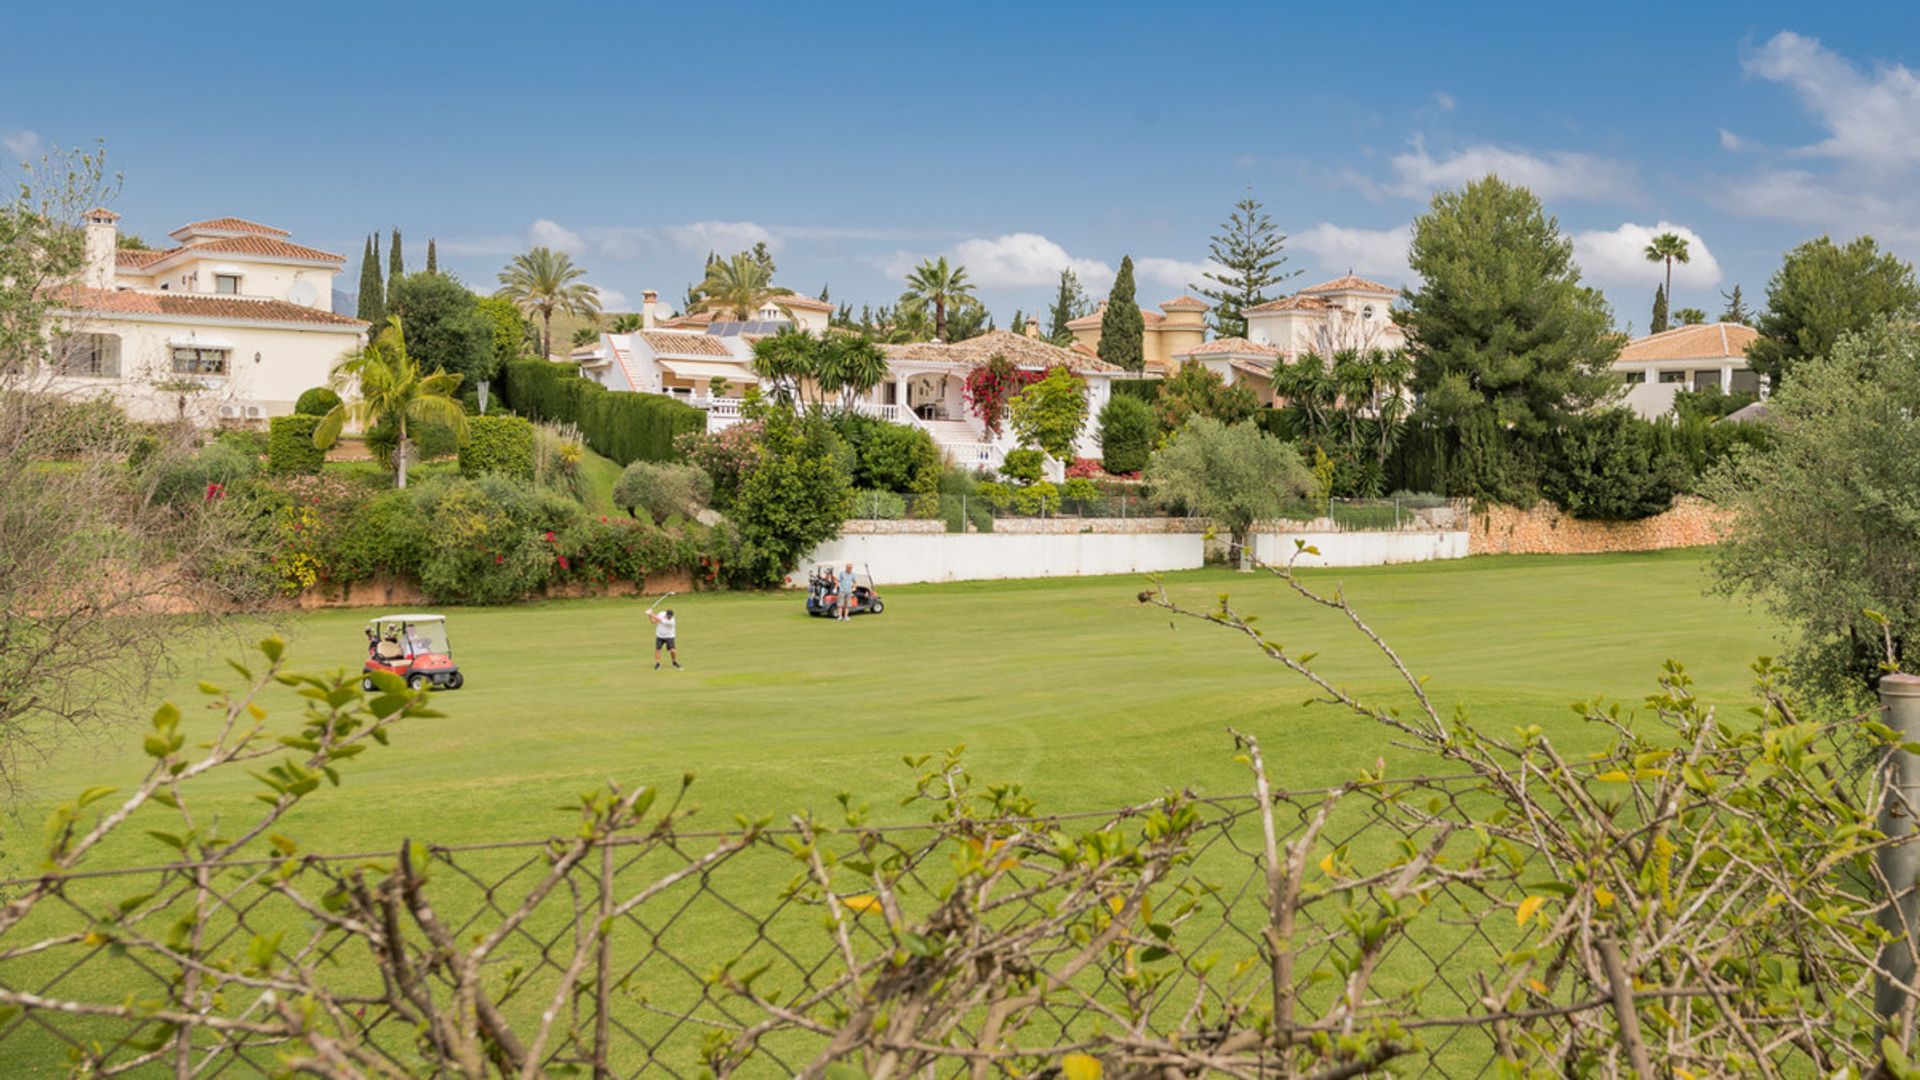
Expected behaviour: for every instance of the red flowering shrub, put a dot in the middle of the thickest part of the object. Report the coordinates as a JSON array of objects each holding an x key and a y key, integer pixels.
[
  {"x": 990, "y": 390},
  {"x": 726, "y": 456}
]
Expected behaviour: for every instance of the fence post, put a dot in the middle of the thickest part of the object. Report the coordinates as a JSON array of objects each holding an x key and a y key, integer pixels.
[
  {"x": 603, "y": 969},
  {"x": 1899, "y": 863}
]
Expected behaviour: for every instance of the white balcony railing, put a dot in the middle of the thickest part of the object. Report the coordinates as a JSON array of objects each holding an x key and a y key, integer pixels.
[{"x": 891, "y": 413}]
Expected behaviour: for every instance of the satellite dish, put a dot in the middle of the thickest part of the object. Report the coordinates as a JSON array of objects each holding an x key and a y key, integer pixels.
[{"x": 303, "y": 293}]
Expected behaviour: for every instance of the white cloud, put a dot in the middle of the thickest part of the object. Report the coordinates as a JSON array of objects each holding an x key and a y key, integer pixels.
[
  {"x": 1618, "y": 257},
  {"x": 1872, "y": 118},
  {"x": 1553, "y": 174},
  {"x": 724, "y": 237},
  {"x": 552, "y": 234},
  {"x": 1176, "y": 274},
  {"x": 1380, "y": 253},
  {"x": 612, "y": 299},
  {"x": 1734, "y": 143},
  {"x": 21, "y": 143},
  {"x": 1021, "y": 260},
  {"x": 1445, "y": 101}
]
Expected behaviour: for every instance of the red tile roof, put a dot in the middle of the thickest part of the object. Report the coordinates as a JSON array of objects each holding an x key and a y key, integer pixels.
[
  {"x": 1298, "y": 302},
  {"x": 259, "y": 245},
  {"x": 1351, "y": 283},
  {"x": 1706, "y": 341},
  {"x": 1088, "y": 322},
  {"x": 1024, "y": 351},
  {"x": 668, "y": 343},
  {"x": 134, "y": 259},
  {"x": 101, "y": 212},
  {"x": 201, "y": 306},
  {"x": 1233, "y": 346},
  {"x": 232, "y": 224},
  {"x": 1185, "y": 303}
]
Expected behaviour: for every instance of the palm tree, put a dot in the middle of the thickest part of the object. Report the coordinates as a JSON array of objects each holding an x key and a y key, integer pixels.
[
  {"x": 939, "y": 286},
  {"x": 387, "y": 386},
  {"x": 739, "y": 286},
  {"x": 850, "y": 366},
  {"x": 545, "y": 281},
  {"x": 1669, "y": 248},
  {"x": 628, "y": 323}
]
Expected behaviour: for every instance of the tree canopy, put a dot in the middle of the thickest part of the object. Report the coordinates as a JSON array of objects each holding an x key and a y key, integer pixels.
[
  {"x": 1250, "y": 253},
  {"x": 1235, "y": 474},
  {"x": 445, "y": 330},
  {"x": 543, "y": 281},
  {"x": 1122, "y": 328},
  {"x": 1824, "y": 291}
]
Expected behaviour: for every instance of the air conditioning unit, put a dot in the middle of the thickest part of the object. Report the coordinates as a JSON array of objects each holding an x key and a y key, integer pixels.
[
  {"x": 229, "y": 412},
  {"x": 254, "y": 412}
]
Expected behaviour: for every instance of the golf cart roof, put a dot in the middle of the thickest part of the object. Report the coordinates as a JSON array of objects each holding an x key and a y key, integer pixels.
[{"x": 409, "y": 618}]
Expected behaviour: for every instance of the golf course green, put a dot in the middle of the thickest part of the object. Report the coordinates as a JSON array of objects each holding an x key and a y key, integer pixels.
[{"x": 1071, "y": 688}]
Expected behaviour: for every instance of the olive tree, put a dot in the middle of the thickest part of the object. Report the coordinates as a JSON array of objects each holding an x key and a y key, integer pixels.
[{"x": 1235, "y": 474}]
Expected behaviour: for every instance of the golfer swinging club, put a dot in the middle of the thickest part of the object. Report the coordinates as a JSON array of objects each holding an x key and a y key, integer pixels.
[{"x": 663, "y": 637}]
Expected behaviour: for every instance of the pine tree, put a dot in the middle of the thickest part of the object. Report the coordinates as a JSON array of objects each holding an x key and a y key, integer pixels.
[
  {"x": 372, "y": 307},
  {"x": 1069, "y": 303},
  {"x": 395, "y": 269},
  {"x": 764, "y": 257},
  {"x": 1122, "y": 328},
  {"x": 433, "y": 258},
  {"x": 1736, "y": 309},
  {"x": 1249, "y": 250},
  {"x": 824, "y": 298},
  {"x": 1019, "y": 323},
  {"x": 1659, "y": 322}
]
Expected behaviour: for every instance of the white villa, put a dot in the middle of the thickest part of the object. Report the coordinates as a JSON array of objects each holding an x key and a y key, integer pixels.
[
  {"x": 230, "y": 325},
  {"x": 1700, "y": 357}
]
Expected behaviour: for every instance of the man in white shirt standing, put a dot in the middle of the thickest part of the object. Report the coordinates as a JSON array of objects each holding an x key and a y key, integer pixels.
[{"x": 663, "y": 637}]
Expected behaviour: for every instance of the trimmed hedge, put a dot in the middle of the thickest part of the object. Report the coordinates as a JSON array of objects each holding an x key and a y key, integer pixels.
[
  {"x": 1128, "y": 430},
  {"x": 290, "y": 449},
  {"x": 318, "y": 401},
  {"x": 1147, "y": 390},
  {"x": 626, "y": 427},
  {"x": 497, "y": 444}
]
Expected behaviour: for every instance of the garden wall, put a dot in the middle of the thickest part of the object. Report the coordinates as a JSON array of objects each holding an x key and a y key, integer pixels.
[
  {"x": 1545, "y": 530},
  {"x": 1361, "y": 548},
  {"x": 398, "y": 592},
  {"x": 911, "y": 557}
]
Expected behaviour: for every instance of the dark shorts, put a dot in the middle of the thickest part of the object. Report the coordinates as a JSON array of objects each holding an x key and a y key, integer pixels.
[{"x": 662, "y": 643}]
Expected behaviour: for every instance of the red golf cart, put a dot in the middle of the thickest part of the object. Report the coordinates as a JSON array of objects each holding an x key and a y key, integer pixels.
[{"x": 414, "y": 647}]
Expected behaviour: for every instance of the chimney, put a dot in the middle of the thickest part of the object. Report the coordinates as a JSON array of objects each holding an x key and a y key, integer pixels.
[
  {"x": 1033, "y": 327},
  {"x": 102, "y": 239},
  {"x": 648, "y": 301}
]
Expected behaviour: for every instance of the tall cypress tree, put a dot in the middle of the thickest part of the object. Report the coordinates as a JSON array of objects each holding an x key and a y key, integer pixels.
[
  {"x": 1122, "y": 328},
  {"x": 1249, "y": 250},
  {"x": 395, "y": 269},
  {"x": 373, "y": 295},
  {"x": 1659, "y": 310},
  {"x": 433, "y": 258}
]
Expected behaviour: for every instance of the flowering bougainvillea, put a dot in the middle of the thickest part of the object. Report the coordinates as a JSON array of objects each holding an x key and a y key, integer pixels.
[{"x": 991, "y": 388}]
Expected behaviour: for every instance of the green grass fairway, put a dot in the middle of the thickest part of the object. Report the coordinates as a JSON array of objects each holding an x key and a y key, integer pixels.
[{"x": 1069, "y": 687}]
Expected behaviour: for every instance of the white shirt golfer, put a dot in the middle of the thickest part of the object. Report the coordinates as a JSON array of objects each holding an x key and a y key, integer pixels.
[{"x": 663, "y": 637}]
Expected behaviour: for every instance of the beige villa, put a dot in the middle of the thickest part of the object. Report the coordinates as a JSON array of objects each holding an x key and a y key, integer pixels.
[
  {"x": 230, "y": 325},
  {"x": 1701, "y": 357},
  {"x": 1180, "y": 324}
]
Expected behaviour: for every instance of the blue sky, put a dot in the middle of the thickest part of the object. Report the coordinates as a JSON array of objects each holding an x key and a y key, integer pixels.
[{"x": 856, "y": 139}]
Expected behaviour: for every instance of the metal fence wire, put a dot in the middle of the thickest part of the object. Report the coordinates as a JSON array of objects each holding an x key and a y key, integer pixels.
[{"x": 731, "y": 952}]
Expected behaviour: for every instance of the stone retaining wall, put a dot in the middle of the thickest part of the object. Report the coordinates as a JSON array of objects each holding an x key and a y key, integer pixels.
[
  {"x": 400, "y": 592},
  {"x": 1546, "y": 530}
]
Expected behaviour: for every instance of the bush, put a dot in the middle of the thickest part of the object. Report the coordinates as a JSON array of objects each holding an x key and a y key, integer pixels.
[
  {"x": 1080, "y": 489},
  {"x": 430, "y": 442},
  {"x": 498, "y": 444},
  {"x": 890, "y": 457},
  {"x": 386, "y": 536},
  {"x": 996, "y": 494},
  {"x": 210, "y": 473},
  {"x": 625, "y": 427},
  {"x": 725, "y": 456},
  {"x": 318, "y": 401},
  {"x": 1613, "y": 466},
  {"x": 879, "y": 505},
  {"x": 793, "y": 498},
  {"x": 290, "y": 449},
  {"x": 245, "y": 440},
  {"x": 1025, "y": 465},
  {"x": 1145, "y": 391},
  {"x": 662, "y": 490},
  {"x": 1040, "y": 498},
  {"x": 1128, "y": 430}
]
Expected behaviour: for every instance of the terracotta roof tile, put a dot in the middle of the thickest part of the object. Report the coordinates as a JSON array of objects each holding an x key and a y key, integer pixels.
[
  {"x": 1185, "y": 303},
  {"x": 101, "y": 212},
  {"x": 1351, "y": 283},
  {"x": 668, "y": 343},
  {"x": 1297, "y": 302},
  {"x": 201, "y": 306},
  {"x": 134, "y": 259},
  {"x": 1234, "y": 346},
  {"x": 259, "y": 245},
  {"x": 1024, "y": 351},
  {"x": 1088, "y": 322},
  {"x": 233, "y": 224},
  {"x": 1706, "y": 341},
  {"x": 803, "y": 303}
]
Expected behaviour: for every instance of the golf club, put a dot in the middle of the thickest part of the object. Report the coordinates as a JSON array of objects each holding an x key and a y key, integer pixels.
[{"x": 658, "y": 602}]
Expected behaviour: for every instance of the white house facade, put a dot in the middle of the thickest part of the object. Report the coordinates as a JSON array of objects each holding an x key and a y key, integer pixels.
[
  {"x": 1347, "y": 312},
  {"x": 1702, "y": 357},
  {"x": 231, "y": 325}
]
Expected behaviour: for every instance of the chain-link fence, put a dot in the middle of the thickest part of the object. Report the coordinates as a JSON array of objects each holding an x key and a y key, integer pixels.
[{"x": 664, "y": 952}]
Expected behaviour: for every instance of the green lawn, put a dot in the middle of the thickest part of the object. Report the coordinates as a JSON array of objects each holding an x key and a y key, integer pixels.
[{"x": 1071, "y": 688}]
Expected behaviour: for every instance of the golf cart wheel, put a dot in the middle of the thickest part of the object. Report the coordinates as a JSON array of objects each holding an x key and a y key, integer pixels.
[
  {"x": 878, "y": 607},
  {"x": 367, "y": 685},
  {"x": 418, "y": 682},
  {"x": 456, "y": 681}
]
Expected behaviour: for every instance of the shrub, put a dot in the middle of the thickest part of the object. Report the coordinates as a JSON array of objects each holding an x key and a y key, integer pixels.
[
  {"x": 318, "y": 401},
  {"x": 1080, "y": 490},
  {"x": 1613, "y": 466},
  {"x": 879, "y": 505},
  {"x": 1198, "y": 390},
  {"x": 794, "y": 497},
  {"x": 430, "y": 442},
  {"x": 498, "y": 444},
  {"x": 996, "y": 494},
  {"x": 890, "y": 457},
  {"x": 662, "y": 490},
  {"x": 290, "y": 449},
  {"x": 210, "y": 473},
  {"x": 246, "y": 440},
  {"x": 1128, "y": 430},
  {"x": 1146, "y": 391},
  {"x": 1050, "y": 413},
  {"x": 1024, "y": 465},
  {"x": 725, "y": 456},
  {"x": 1040, "y": 498},
  {"x": 990, "y": 390},
  {"x": 626, "y": 427}
]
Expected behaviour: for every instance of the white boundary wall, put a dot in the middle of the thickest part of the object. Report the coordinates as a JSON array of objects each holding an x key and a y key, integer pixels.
[
  {"x": 908, "y": 558},
  {"x": 1361, "y": 548},
  {"x": 911, "y": 558}
]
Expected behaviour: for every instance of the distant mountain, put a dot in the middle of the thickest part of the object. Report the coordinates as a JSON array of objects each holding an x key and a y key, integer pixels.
[{"x": 345, "y": 303}]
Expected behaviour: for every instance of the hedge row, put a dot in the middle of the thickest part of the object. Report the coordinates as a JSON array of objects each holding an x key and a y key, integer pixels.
[
  {"x": 290, "y": 449},
  {"x": 497, "y": 444},
  {"x": 626, "y": 427}
]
